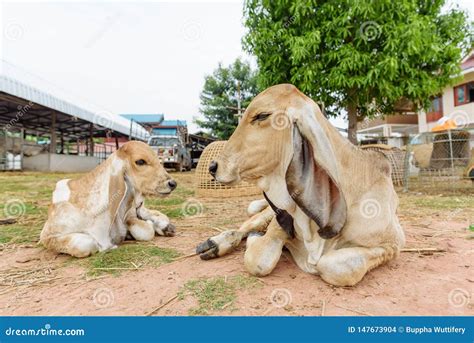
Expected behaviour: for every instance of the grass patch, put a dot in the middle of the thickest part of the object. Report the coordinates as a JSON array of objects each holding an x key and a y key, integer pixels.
[
  {"x": 19, "y": 234},
  {"x": 180, "y": 212},
  {"x": 176, "y": 213},
  {"x": 172, "y": 205},
  {"x": 178, "y": 208},
  {"x": 14, "y": 187},
  {"x": 438, "y": 202},
  {"x": 157, "y": 202},
  {"x": 25, "y": 196},
  {"x": 216, "y": 294},
  {"x": 184, "y": 192},
  {"x": 19, "y": 208},
  {"x": 128, "y": 257}
]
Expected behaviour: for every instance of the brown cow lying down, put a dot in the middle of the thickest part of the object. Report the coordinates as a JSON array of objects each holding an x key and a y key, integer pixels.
[
  {"x": 97, "y": 211},
  {"x": 331, "y": 204}
]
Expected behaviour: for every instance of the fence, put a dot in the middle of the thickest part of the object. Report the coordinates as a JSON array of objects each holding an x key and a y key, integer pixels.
[
  {"x": 440, "y": 160},
  {"x": 13, "y": 149},
  {"x": 83, "y": 148}
]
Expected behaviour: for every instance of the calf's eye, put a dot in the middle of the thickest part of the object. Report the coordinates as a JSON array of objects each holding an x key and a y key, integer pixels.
[
  {"x": 261, "y": 116},
  {"x": 140, "y": 162}
]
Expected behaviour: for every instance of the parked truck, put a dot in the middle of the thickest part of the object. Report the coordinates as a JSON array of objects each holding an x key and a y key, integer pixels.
[
  {"x": 170, "y": 141},
  {"x": 175, "y": 147}
]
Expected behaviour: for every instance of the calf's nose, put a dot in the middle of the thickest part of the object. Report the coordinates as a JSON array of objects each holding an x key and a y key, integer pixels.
[
  {"x": 213, "y": 168},
  {"x": 172, "y": 184}
]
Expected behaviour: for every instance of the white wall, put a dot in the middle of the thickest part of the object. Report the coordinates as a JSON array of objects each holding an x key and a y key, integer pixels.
[
  {"x": 463, "y": 115},
  {"x": 60, "y": 163},
  {"x": 422, "y": 124}
]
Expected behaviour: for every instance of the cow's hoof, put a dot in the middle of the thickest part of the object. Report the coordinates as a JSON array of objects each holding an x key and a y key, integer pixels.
[{"x": 207, "y": 250}]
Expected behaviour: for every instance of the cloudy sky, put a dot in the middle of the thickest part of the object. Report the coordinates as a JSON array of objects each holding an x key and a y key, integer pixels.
[{"x": 140, "y": 57}]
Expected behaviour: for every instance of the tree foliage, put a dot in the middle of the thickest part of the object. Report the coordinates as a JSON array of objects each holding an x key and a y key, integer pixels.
[
  {"x": 360, "y": 55},
  {"x": 220, "y": 94}
]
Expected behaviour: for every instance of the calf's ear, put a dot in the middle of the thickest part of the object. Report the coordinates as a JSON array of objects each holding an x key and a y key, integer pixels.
[
  {"x": 313, "y": 186},
  {"x": 117, "y": 189}
]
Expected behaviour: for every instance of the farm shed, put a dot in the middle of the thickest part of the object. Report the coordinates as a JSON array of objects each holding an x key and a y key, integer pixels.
[{"x": 33, "y": 108}]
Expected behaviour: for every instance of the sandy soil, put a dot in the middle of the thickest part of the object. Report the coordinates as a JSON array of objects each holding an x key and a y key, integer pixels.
[{"x": 440, "y": 283}]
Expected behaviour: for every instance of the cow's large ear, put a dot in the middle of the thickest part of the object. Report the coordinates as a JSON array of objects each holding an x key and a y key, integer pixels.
[
  {"x": 312, "y": 186},
  {"x": 117, "y": 190}
]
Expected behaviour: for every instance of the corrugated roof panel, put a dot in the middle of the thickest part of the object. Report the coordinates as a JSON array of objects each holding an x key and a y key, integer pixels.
[
  {"x": 83, "y": 111},
  {"x": 144, "y": 118},
  {"x": 173, "y": 123}
]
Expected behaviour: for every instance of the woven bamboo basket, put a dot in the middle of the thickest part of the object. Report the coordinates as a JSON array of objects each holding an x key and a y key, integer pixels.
[
  {"x": 208, "y": 187},
  {"x": 396, "y": 157}
]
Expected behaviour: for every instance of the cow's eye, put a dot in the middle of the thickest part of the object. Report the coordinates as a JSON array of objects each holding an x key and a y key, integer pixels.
[
  {"x": 140, "y": 162},
  {"x": 261, "y": 116}
]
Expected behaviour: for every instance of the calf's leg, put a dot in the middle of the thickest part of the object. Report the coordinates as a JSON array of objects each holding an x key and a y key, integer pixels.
[
  {"x": 347, "y": 266},
  {"x": 74, "y": 244},
  {"x": 264, "y": 252},
  {"x": 140, "y": 230},
  {"x": 160, "y": 222},
  {"x": 227, "y": 241}
]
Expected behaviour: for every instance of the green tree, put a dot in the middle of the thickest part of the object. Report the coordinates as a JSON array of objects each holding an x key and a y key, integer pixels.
[
  {"x": 219, "y": 98},
  {"x": 359, "y": 55}
]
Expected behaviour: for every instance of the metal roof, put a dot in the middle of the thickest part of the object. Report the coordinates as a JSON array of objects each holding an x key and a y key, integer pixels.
[
  {"x": 40, "y": 92},
  {"x": 145, "y": 118},
  {"x": 173, "y": 123},
  {"x": 158, "y": 120}
]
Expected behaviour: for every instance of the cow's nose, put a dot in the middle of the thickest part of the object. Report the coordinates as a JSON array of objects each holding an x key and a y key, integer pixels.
[
  {"x": 213, "y": 168},
  {"x": 172, "y": 184}
]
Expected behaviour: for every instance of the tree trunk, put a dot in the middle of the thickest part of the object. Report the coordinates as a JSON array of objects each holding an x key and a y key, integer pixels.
[{"x": 352, "y": 117}]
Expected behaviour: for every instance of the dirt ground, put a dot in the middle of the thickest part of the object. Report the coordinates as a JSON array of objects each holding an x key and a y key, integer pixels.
[{"x": 160, "y": 278}]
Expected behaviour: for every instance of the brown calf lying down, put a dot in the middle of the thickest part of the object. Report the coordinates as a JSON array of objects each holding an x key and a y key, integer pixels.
[
  {"x": 97, "y": 211},
  {"x": 331, "y": 204}
]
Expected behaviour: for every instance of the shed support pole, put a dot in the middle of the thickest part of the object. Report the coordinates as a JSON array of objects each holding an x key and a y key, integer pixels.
[
  {"x": 91, "y": 140},
  {"x": 62, "y": 142},
  {"x": 52, "y": 145}
]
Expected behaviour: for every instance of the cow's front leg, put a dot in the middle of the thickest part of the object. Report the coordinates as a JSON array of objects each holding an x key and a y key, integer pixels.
[
  {"x": 139, "y": 229},
  {"x": 227, "y": 241},
  {"x": 347, "y": 266},
  {"x": 160, "y": 222},
  {"x": 264, "y": 251}
]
